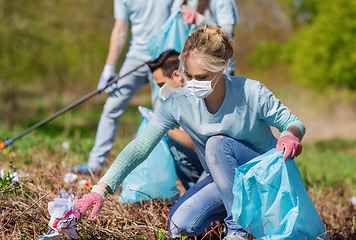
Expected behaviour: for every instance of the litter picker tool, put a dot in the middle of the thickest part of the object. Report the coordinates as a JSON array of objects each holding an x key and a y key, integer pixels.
[{"x": 63, "y": 110}]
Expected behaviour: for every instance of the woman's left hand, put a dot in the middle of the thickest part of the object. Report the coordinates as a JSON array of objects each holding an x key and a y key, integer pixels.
[
  {"x": 95, "y": 198},
  {"x": 291, "y": 146}
]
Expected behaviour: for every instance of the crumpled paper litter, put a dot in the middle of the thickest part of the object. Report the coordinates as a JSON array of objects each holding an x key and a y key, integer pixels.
[{"x": 64, "y": 216}]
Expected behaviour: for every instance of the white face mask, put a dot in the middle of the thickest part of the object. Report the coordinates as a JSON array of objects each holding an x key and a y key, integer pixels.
[
  {"x": 200, "y": 89},
  {"x": 166, "y": 90}
]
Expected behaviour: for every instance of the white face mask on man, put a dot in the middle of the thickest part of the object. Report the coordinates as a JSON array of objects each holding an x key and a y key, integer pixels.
[
  {"x": 166, "y": 90},
  {"x": 200, "y": 89}
]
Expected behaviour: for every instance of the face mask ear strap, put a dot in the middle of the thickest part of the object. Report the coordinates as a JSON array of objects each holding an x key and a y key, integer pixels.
[{"x": 216, "y": 81}]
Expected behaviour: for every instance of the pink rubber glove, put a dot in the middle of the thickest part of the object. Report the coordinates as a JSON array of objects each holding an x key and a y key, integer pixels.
[
  {"x": 95, "y": 198},
  {"x": 290, "y": 144},
  {"x": 189, "y": 15}
]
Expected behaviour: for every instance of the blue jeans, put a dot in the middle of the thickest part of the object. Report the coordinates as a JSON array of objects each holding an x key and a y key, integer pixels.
[
  {"x": 187, "y": 163},
  {"x": 210, "y": 200},
  {"x": 115, "y": 105}
]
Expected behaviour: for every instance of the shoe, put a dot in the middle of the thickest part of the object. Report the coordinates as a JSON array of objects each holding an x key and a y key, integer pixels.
[
  {"x": 51, "y": 235},
  {"x": 83, "y": 169},
  {"x": 238, "y": 236}
]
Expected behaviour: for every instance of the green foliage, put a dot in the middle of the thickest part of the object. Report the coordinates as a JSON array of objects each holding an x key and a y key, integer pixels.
[
  {"x": 303, "y": 10},
  {"x": 24, "y": 236},
  {"x": 8, "y": 185},
  {"x": 264, "y": 55},
  {"x": 162, "y": 235},
  {"x": 50, "y": 41},
  {"x": 323, "y": 52}
]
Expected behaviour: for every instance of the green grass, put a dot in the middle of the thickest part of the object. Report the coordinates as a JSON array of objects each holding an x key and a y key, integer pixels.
[
  {"x": 80, "y": 138},
  {"x": 77, "y": 127},
  {"x": 329, "y": 163}
]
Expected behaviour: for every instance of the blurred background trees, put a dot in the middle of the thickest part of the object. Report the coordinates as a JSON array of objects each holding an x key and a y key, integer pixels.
[
  {"x": 48, "y": 49},
  {"x": 55, "y": 50},
  {"x": 321, "y": 52},
  {"x": 53, "y": 43}
]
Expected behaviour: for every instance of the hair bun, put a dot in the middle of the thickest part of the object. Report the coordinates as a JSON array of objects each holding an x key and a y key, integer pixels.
[{"x": 213, "y": 30}]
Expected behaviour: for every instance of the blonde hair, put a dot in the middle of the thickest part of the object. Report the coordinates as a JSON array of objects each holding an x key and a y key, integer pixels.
[{"x": 210, "y": 46}]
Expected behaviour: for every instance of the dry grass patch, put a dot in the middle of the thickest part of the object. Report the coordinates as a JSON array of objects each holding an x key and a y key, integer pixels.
[{"x": 24, "y": 214}]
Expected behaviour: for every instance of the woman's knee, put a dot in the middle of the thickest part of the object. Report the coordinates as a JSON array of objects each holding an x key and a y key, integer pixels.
[
  {"x": 218, "y": 148},
  {"x": 189, "y": 213},
  {"x": 215, "y": 147},
  {"x": 177, "y": 226},
  {"x": 213, "y": 141}
]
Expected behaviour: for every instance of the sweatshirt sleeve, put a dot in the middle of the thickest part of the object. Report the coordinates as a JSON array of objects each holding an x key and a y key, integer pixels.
[
  {"x": 133, "y": 155},
  {"x": 293, "y": 121}
]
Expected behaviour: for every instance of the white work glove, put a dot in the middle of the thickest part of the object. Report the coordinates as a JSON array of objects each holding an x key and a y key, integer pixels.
[
  {"x": 147, "y": 115},
  {"x": 106, "y": 76}
]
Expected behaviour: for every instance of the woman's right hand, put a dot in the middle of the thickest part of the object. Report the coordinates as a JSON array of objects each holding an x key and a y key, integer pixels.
[
  {"x": 290, "y": 144},
  {"x": 95, "y": 198},
  {"x": 189, "y": 15}
]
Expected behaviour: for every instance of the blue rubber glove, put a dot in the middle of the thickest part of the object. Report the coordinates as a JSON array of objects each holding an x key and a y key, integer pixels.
[
  {"x": 147, "y": 115},
  {"x": 107, "y": 75}
]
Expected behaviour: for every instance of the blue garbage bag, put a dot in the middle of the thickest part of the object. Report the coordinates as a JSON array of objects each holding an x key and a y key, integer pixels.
[
  {"x": 171, "y": 35},
  {"x": 271, "y": 201},
  {"x": 155, "y": 177}
]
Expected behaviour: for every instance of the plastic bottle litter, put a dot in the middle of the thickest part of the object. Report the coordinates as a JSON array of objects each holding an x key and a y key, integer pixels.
[
  {"x": 353, "y": 200},
  {"x": 70, "y": 178},
  {"x": 65, "y": 145}
]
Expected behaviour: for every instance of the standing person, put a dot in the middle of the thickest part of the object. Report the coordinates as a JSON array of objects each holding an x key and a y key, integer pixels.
[
  {"x": 229, "y": 120},
  {"x": 222, "y": 13},
  {"x": 146, "y": 17},
  {"x": 165, "y": 72}
]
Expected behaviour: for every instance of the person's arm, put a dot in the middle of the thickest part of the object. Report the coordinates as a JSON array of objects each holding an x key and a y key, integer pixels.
[
  {"x": 132, "y": 155},
  {"x": 274, "y": 113},
  {"x": 117, "y": 40},
  {"x": 181, "y": 137},
  {"x": 129, "y": 158}
]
